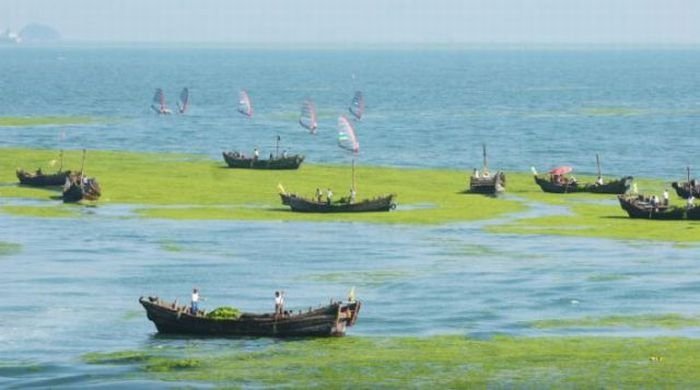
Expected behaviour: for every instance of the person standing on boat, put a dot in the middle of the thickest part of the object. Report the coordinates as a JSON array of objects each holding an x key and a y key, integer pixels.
[
  {"x": 329, "y": 195},
  {"x": 352, "y": 195},
  {"x": 599, "y": 181},
  {"x": 319, "y": 195},
  {"x": 195, "y": 301},
  {"x": 256, "y": 153},
  {"x": 666, "y": 197},
  {"x": 691, "y": 201},
  {"x": 279, "y": 303}
]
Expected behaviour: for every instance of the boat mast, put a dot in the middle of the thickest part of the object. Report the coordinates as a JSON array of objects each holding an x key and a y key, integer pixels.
[
  {"x": 82, "y": 166},
  {"x": 353, "y": 173},
  {"x": 688, "y": 169},
  {"x": 277, "y": 147},
  {"x": 597, "y": 162},
  {"x": 60, "y": 167}
]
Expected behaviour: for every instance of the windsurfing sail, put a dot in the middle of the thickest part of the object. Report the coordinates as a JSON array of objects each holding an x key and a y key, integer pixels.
[
  {"x": 307, "y": 118},
  {"x": 357, "y": 106},
  {"x": 184, "y": 101},
  {"x": 244, "y": 105},
  {"x": 346, "y": 135},
  {"x": 158, "y": 105}
]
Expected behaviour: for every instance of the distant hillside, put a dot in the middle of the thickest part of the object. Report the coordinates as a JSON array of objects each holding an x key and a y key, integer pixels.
[{"x": 39, "y": 33}]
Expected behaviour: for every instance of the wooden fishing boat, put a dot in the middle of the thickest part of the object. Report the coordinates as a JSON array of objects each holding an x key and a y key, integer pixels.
[
  {"x": 567, "y": 186},
  {"x": 485, "y": 183},
  {"x": 304, "y": 205},
  {"x": 330, "y": 320},
  {"x": 686, "y": 189},
  {"x": 40, "y": 179},
  {"x": 77, "y": 188},
  {"x": 639, "y": 207},
  {"x": 236, "y": 160},
  {"x": 489, "y": 185}
]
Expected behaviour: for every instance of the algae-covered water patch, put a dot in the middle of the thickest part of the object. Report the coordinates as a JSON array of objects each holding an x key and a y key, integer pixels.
[
  {"x": 9, "y": 248},
  {"x": 205, "y": 189},
  {"x": 671, "y": 321},
  {"x": 26, "y": 121},
  {"x": 439, "y": 361},
  {"x": 371, "y": 278},
  {"x": 40, "y": 211}
]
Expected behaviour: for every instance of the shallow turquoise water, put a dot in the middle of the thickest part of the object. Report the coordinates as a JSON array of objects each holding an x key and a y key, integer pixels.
[{"x": 73, "y": 285}]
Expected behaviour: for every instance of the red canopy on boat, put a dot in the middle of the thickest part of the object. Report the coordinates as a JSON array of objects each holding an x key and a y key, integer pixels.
[{"x": 561, "y": 170}]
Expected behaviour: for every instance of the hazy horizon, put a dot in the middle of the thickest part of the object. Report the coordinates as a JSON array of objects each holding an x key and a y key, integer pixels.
[{"x": 319, "y": 22}]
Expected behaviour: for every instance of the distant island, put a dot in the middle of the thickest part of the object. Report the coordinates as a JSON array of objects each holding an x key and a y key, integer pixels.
[{"x": 32, "y": 33}]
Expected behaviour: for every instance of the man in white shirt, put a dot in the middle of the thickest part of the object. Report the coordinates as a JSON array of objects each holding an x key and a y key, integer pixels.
[
  {"x": 666, "y": 197},
  {"x": 279, "y": 303},
  {"x": 195, "y": 301},
  {"x": 329, "y": 195},
  {"x": 691, "y": 201}
]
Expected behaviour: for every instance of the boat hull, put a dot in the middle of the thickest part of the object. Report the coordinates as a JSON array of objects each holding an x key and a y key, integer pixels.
[
  {"x": 638, "y": 208},
  {"x": 618, "y": 187},
  {"x": 488, "y": 185},
  {"x": 234, "y": 160},
  {"x": 303, "y": 205},
  {"x": 685, "y": 189},
  {"x": 41, "y": 180},
  {"x": 693, "y": 213},
  {"x": 327, "y": 321},
  {"x": 75, "y": 191}
]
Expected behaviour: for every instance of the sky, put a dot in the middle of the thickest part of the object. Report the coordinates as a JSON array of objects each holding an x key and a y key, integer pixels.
[{"x": 364, "y": 21}]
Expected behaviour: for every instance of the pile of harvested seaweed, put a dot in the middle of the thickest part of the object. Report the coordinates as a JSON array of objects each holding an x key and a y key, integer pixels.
[{"x": 224, "y": 313}]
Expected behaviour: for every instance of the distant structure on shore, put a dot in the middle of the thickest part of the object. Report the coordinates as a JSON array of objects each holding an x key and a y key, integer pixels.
[
  {"x": 32, "y": 33},
  {"x": 9, "y": 36}
]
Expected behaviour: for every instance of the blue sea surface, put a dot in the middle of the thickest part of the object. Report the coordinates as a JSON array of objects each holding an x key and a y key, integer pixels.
[
  {"x": 72, "y": 284},
  {"x": 639, "y": 109}
]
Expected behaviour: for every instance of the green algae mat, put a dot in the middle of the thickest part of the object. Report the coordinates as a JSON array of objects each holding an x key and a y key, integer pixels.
[
  {"x": 181, "y": 186},
  {"x": 433, "y": 362},
  {"x": 20, "y": 121}
]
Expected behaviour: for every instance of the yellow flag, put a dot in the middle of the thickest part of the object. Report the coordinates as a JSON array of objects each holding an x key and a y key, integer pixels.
[
  {"x": 52, "y": 163},
  {"x": 279, "y": 187}
]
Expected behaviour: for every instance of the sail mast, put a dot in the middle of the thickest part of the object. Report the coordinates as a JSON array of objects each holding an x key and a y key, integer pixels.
[
  {"x": 353, "y": 173},
  {"x": 486, "y": 165},
  {"x": 60, "y": 166},
  {"x": 597, "y": 162},
  {"x": 82, "y": 166},
  {"x": 277, "y": 147}
]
